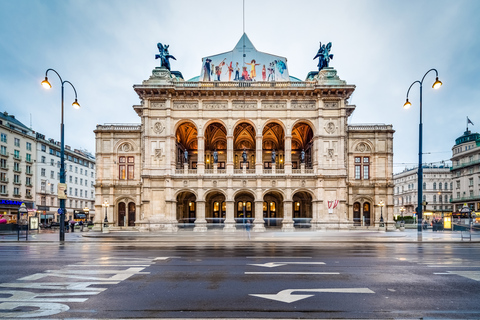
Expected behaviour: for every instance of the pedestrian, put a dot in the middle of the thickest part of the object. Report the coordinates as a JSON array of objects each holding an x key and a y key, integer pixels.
[
  {"x": 81, "y": 225},
  {"x": 434, "y": 225},
  {"x": 72, "y": 225},
  {"x": 247, "y": 228},
  {"x": 66, "y": 225}
]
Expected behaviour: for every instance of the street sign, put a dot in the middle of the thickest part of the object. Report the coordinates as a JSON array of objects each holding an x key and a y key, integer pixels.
[
  {"x": 60, "y": 211},
  {"x": 62, "y": 191}
]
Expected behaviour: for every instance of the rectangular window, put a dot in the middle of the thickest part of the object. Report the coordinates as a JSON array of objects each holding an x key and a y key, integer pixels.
[
  {"x": 43, "y": 173},
  {"x": 16, "y": 178},
  {"x": 357, "y": 172},
  {"x": 16, "y": 191},
  {"x": 3, "y": 189},
  {"x": 70, "y": 192},
  {"x": 28, "y": 157},
  {"x": 4, "y": 137},
  {"x": 470, "y": 182},
  {"x": 76, "y": 180},
  {"x": 70, "y": 179},
  {"x": 3, "y": 163},
  {"x": 81, "y": 181},
  {"x": 16, "y": 142},
  {"x": 16, "y": 154},
  {"x": 52, "y": 174},
  {"x": 29, "y": 146},
  {"x": 366, "y": 172},
  {"x": 3, "y": 150},
  {"x": 76, "y": 169},
  {"x": 76, "y": 192},
  {"x": 44, "y": 148},
  {"x": 16, "y": 166}
]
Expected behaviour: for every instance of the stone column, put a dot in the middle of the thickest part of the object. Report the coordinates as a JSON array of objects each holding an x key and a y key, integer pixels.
[
  {"x": 230, "y": 156},
  {"x": 287, "y": 224},
  {"x": 258, "y": 155},
  {"x": 200, "y": 222},
  {"x": 258, "y": 223},
  {"x": 230, "y": 217},
  {"x": 288, "y": 155},
  {"x": 201, "y": 155}
]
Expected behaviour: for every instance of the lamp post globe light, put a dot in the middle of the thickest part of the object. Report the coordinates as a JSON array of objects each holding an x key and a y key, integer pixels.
[
  {"x": 381, "y": 204},
  {"x": 402, "y": 223},
  {"x": 105, "y": 221},
  {"x": 46, "y": 84},
  {"x": 437, "y": 84}
]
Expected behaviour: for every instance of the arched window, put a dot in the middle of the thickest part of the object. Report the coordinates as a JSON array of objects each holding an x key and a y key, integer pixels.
[
  {"x": 424, "y": 186},
  {"x": 446, "y": 198},
  {"x": 446, "y": 186},
  {"x": 434, "y": 198},
  {"x": 434, "y": 186}
]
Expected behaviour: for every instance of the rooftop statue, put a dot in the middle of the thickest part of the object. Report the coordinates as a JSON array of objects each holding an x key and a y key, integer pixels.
[
  {"x": 324, "y": 56},
  {"x": 164, "y": 56}
]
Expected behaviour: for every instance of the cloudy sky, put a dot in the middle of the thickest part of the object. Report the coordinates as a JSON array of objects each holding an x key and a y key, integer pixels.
[{"x": 104, "y": 47}]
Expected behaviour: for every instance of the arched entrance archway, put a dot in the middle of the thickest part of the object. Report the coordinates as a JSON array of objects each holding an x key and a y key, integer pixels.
[
  {"x": 244, "y": 140},
  {"x": 356, "y": 214},
  {"x": 361, "y": 213},
  {"x": 215, "y": 141},
  {"x": 186, "y": 145},
  {"x": 244, "y": 207},
  {"x": 366, "y": 213},
  {"x": 186, "y": 209},
  {"x": 215, "y": 209},
  {"x": 273, "y": 209},
  {"x": 126, "y": 213},
  {"x": 302, "y": 140},
  {"x": 273, "y": 142},
  {"x": 302, "y": 209}
]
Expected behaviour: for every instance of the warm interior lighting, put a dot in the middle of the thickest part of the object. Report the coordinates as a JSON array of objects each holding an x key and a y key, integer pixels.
[
  {"x": 76, "y": 105},
  {"x": 46, "y": 84},
  {"x": 437, "y": 84},
  {"x": 407, "y": 104}
]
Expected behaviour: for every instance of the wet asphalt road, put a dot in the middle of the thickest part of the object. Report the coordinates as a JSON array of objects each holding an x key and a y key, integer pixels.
[{"x": 108, "y": 280}]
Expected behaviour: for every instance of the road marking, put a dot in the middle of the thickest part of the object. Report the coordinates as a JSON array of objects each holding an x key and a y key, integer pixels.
[
  {"x": 109, "y": 265},
  {"x": 279, "y": 257},
  {"x": 279, "y": 264},
  {"x": 292, "y": 272},
  {"x": 473, "y": 275},
  {"x": 451, "y": 266},
  {"x": 287, "y": 296}
]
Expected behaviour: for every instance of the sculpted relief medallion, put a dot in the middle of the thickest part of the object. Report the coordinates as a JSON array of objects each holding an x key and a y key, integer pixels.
[
  {"x": 363, "y": 147},
  {"x": 330, "y": 127},
  {"x": 126, "y": 147},
  {"x": 158, "y": 127}
]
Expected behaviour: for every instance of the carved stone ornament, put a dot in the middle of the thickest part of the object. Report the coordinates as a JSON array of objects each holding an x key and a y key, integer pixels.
[
  {"x": 158, "y": 127},
  {"x": 303, "y": 183},
  {"x": 330, "y": 127},
  {"x": 158, "y": 105},
  {"x": 159, "y": 153},
  {"x": 274, "y": 183},
  {"x": 215, "y": 183},
  {"x": 244, "y": 183},
  {"x": 126, "y": 147},
  {"x": 308, "y": 105},
  {"x": 185, "y": 183},
  {"x": 274, "y": 105},
  {"x": 244, "y": 105},
  {"x": 363, "y": 147},
  {"x": 215, "y": 106},
  {"x": 330, "y": 153},
  {"x": 161, "y": 73},
  {"x": 330, "y": 104},
  {"x": 190, "y": 105}
]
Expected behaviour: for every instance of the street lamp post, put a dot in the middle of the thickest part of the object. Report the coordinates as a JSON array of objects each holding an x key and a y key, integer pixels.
[
  {"x": 105, "y": 221},
  {"x": 381, "y": 204},
  {"x": 244, "y": 204},
  {"x": 76, "y": 105},
  {"x": 437, "y": 84},
  {"x": 87, "y": 215},
  {"x": 402, "y": 223}
]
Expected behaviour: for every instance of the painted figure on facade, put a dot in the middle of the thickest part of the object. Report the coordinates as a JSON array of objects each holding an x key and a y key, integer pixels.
[
  {"x": 302, "y": 156},
  {"x": 230, "y": 70},
  {"x": 215, "y": 156},
  {"x": 206, "y": 70},
  {"x": 237, "y": 72},
  {"x": 324, "y": 56},
  {"x": 264, "y": 73},
  {"x": 164, "y": 56},
  {"x": 185, "y": 156},
  {"x": 244, "y": 155},
  {"x": 274, "y": 155},
  {"x": 253, "y": 72}
]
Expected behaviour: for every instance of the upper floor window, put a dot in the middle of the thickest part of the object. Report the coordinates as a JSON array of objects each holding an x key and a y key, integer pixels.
[
  {"x": 4, "y": 137},
  {"x": 44, "y": 148},
  {"x": 43, "y": 159},
  {"x": 16, "y": 142},
  {"x": 29, "y": 146},
  {"x": 126, "y": 168}
]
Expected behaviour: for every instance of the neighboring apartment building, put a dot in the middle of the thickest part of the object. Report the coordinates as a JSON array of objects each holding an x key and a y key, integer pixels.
[
  {"x": 437, "y": 191},
  {"x": 466, "y": 171},
  {"x": 79, "y": 176},
  {"x": 17, "y": 158}
]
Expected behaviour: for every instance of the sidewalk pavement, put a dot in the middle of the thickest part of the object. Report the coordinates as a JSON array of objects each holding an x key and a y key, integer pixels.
[{"x": 187, "y": 237}]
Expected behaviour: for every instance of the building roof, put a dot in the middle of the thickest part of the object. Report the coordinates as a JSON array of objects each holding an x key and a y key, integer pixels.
[
  {"x": 11, "y": 118},
  {"x": 468, "y": 136}
]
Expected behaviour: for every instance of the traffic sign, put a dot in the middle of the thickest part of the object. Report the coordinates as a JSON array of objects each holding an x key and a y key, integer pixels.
[{"x": 60, "y": 211}]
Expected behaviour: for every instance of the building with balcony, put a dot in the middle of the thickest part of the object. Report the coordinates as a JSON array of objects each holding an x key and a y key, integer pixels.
[
  {"x": 79, "y": 177},
  {"x": 235, "y": 145},
  {"x": 466, "y": 171},
  {"x": 437, "y": 191},
  {"x": 17, "y": 157}
]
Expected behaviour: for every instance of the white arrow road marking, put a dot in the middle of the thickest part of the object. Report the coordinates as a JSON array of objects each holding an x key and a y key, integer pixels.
[
  {"x": 281, "y": 272},
  {"x": 279, "y": 264},
  {"x": 287, "y": 297},
  {"x": 474, "y": 275}
]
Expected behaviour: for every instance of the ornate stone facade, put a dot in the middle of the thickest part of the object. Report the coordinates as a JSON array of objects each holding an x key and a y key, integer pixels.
[{"x": 215, "y": 154}]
